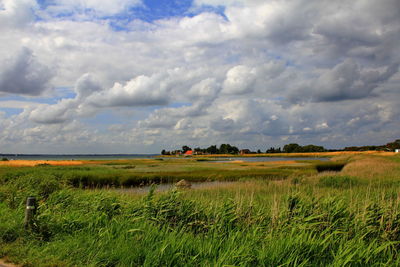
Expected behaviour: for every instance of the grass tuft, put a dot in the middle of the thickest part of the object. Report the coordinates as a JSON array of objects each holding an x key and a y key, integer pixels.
[{"x": 338, "y": 181}]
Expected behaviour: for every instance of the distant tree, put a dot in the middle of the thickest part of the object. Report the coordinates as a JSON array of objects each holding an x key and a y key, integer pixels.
[
  {"x": 388, "y": 147},
  {"x": 228, "y": 149},
  {"x": 224, "y": 149},
  {"x": 212, "y": 149},
  {"x": 233, "y": 150},
  {"x": 394, "y": 145},
  {"x": 258, "y": 151},
  {"x": 313, "y": 148},
  {"x": 163, "y": 152},
  {"x": 274, "y": 150},
  {"x": 291, "y": 148},
  {"x": 295, "y": 148},
  {"x": 351, "y": 148}
]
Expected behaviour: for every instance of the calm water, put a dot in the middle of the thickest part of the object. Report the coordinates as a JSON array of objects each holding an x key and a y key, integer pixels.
[
  {"x": 267, "y": 159},
  {"x": 141, "y": 156},
  {"x": 78, "y": 156}
]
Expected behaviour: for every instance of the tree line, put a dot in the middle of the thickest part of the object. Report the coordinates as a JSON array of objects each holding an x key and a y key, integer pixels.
[
  {"x": 222, "y": 149},
  {"x": 229, "y": 149},
  {"x": 392, "y": 146},
  {"x": 288, "y": 148}
]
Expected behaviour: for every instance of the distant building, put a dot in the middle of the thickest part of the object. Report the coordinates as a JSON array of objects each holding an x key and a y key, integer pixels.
[
  {"x": 245, "y": 151},
  {"x": 397, "y": 150},
  {"x": 188, "y": 153}
]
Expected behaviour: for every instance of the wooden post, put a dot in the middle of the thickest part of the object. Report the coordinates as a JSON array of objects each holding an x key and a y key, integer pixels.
[{"x": 30, "y": 212}]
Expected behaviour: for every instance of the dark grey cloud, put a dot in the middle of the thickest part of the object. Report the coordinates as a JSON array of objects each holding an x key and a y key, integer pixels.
[
  {"x": 24, "y": 75},
  {"x": 345, "y": 81},
  {"x": 222, "y": 125},
  {"x": 53, "y": 114},
  {"x": 85, "y": 86}
]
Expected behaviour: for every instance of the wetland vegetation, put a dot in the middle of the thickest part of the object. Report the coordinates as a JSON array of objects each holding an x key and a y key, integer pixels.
[{"x": 344, "y": 212}]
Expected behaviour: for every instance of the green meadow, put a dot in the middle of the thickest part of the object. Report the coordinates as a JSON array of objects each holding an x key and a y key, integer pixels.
[{"x": 342, "y": 212}]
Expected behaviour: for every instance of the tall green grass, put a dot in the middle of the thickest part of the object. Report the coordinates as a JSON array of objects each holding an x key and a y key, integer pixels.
[
  {"x": 322, "y": 220},
  {"x": 338, "y": 181},
  {"x": 74, "y": 227}
]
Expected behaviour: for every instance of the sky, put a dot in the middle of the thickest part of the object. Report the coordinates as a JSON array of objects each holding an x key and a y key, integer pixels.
[{"x": 139, "y": 76}]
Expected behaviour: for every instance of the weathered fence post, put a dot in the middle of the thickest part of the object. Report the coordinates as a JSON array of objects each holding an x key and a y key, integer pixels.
[{"x": 30, "y": 212}]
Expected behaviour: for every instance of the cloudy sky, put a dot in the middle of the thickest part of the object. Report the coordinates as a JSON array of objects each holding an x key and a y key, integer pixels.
[{"x": 137, "y": 76}]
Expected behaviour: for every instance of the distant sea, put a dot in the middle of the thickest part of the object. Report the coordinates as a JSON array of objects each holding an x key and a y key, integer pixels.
[
  {"x": 140, "y": 156},
  {"x": 76, "y": 156}
]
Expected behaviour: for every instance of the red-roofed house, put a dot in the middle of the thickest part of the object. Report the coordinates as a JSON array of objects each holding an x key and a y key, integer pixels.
[{"x": 188, "y": 153}]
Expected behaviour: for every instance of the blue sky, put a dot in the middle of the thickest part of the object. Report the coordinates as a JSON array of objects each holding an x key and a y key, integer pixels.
[
  {"x": 147, "y": 10},
  {"x": 132, "y": 76}
]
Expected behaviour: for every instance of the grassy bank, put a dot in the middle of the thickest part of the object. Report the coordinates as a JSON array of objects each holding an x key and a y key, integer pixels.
[{"x": 303, "y": 217}]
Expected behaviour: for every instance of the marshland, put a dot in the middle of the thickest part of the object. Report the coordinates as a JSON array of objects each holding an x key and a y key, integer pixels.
[{"x": 338, "y": 212}]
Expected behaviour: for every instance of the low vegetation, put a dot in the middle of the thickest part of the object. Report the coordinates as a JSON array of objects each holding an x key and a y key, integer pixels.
[
  {"x": 330, "y": 166},
  {"x": 274, "y": 214}
]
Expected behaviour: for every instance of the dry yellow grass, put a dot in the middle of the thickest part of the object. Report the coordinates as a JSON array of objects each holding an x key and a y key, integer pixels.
[
  {"x": 370, "y": 167},
  {"x": 22, "y": 163},
  {"x": 326, "y": 154},
  {"x": 264, "y": 163}
]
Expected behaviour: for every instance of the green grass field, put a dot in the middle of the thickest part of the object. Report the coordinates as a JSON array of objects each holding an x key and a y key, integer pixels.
[{"x": 339, "y": 213}]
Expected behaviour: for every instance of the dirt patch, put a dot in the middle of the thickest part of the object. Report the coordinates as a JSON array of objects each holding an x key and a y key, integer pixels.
[
  {"x": 4, "y": 263},
  {"x": 237, "y": 161},
  {"x": 21, "y": 163}
]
